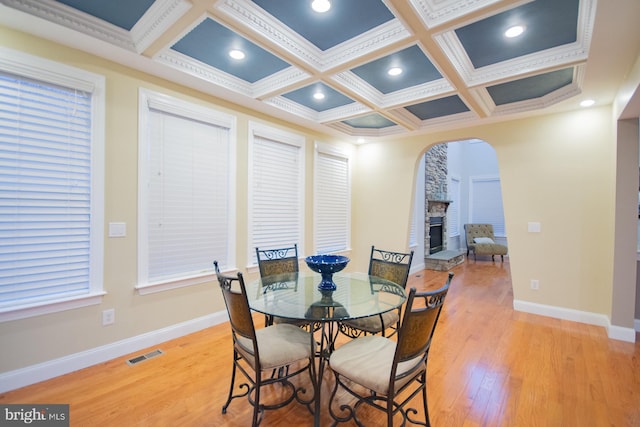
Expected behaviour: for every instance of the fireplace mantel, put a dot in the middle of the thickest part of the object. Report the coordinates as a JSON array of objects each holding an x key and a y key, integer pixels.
[{"x": 437, "y": 203}]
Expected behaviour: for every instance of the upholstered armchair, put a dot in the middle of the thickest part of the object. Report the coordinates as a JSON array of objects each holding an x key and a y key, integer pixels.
[{"x": 481, "y": 241}]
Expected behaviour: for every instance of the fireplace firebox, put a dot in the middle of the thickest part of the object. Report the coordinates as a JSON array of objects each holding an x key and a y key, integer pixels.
[{"x": 436, "y": 234}]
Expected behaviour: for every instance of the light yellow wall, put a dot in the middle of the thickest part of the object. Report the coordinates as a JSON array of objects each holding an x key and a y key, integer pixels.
[{"x": 556, "y": 169}]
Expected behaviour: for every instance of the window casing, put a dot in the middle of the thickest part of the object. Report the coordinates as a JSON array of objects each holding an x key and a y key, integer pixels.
[
  {"x": 186, "y": 192},
  {"x": 332, "y": 205},
  {"x": 276, "y": 189},
  {"x": 453, "y": 211},
  {"x": 52, "y": 186}
]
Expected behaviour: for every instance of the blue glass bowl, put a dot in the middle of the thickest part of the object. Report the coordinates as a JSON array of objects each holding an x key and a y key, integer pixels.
[{"x": 326, "y": 265}]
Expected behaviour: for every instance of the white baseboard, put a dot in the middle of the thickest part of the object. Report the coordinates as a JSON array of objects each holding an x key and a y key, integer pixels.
[
  {"x": 613, "y": 331},
  {"x": 43, "y": 371}
]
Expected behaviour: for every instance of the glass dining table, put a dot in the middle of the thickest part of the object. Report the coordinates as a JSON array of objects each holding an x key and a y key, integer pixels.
[{"x": 296, "y": 296}]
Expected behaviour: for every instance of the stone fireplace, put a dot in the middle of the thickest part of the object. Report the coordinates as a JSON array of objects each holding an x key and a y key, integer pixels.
[
  {"x": 437, "y": 256},
  {"x": 435, "y": 239}
]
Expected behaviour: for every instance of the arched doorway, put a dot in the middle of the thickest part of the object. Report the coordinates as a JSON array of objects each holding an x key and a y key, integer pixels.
[{"x": 457, "y": 182}]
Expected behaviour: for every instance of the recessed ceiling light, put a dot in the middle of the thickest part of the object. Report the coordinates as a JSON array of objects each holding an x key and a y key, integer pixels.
[
  {"x": 321, "y": 6},
  {"x": 587, "y": 103},
  {"x": 514, "y": 31},
  {"x": 236, "y": 54},
  {"x": 395, "y": 71},
  {"x": 318, "y": 95}
]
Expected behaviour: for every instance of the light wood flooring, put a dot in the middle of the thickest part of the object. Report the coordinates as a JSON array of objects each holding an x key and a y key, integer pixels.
[{"x": 489, "y": 366}]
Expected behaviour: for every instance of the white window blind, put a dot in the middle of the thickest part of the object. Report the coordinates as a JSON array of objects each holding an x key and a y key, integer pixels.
[
  {"x": 276, "y": 201},
  {"x": 50, "y": 188},
  {"x": 486, "y": 203},
  {"x": 453, "y": 212},
  {"x": 332, "y": 202},
  {"x": 185, "y": 192}
]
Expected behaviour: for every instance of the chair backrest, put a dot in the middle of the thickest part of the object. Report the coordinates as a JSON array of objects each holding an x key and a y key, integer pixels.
[
  {"x": 392, "y": 266},
  {"x": 419, "y": 323},
  {"x": 235, "y": 299},
  {"x": 277, "y": 261},
  {"x": 477, "y": 230}
]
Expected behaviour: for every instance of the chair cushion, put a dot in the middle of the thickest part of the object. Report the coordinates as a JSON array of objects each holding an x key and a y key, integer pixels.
[
  {"x": 372, "y": 324},
  {"x": 487, "y": 240},
  {"x": 279, "y": 345},
  {"x": 368, "y": 361},
  {"x": 490, "y": 249}
]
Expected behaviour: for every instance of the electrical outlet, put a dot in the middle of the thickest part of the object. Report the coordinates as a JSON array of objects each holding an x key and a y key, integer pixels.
[
  {"x": 108, "y": 317},
  {"x": 535, "y": 284}
]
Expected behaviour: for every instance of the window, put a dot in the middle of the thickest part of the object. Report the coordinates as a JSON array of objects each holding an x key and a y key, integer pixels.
[
  {"x": 332, "y": 207},
  {"x": 186, "y": 192},
  {"x": 453, "y": 212},
  {"x": 276, "y": 189},
  {"x": 486, "y": 203},
  {"x": 51, "y": 215}
]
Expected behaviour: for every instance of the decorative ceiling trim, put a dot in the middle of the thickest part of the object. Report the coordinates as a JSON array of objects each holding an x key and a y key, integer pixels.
[
  {"x": 66, "y": 16},
  {"x": 548, "y": 100},
  {"x": 279, "y": 82},
  {"x": 346, "y": 111},
  {"x": 195, "y": 68},
  {"x": 355, "y": 84},
  {"x": 334, "y": 114},
  {"x": 453, "y": 119},
  {"x": 374, "y": 40},
  {"x": 332, "y": 67},
  {"x": 434, "y": 13},
  {"x": 160, "y": 16},
  {"x": 575, "y": 88},
  {"x": 293, "y": 108},
  {"x": 258, "y": 22},
  {"x": 366, "y": 132},
  {"x": 553, "y": 58},
  {"x": 419, "y": 93}
]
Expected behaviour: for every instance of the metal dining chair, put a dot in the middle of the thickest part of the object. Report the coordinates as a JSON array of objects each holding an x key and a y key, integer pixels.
[
  {"x": 391, "y": 372},
  {"x": 274, "y": 262},
  {"x": 284, "y": 348},
  {"x": 388, "y": 265}
]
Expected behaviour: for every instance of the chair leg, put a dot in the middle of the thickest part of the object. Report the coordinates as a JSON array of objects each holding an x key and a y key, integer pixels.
[
  {"x": 256, "y": 406},
  {"x": 233, "y": 379},
  {"x": 501, "y": 258},
  {"x": 426, "y": 405},
  {"x": 493, "y": 257}
]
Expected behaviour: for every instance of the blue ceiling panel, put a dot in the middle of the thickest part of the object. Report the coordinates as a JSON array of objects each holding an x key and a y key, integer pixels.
[
  {"x": 332, "y": 99},
  {"x": 345, "y": 19},
  {"x": 211, "y": 42},
  {"x": 548, "y": 24},
  {"x": 371, "y": 121},
  {"x": 530, "y": 87},
  {"x": 417, "y": 69},
  {"x": 121, "y": 13},
  {"x": 438, "y": 108}
]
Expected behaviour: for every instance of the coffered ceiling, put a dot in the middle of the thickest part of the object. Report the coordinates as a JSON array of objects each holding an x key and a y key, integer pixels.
[{"x": 456, "y": 65}]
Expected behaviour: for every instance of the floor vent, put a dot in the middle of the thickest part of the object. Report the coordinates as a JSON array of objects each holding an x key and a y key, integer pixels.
[{"x": 138, "y": 359}]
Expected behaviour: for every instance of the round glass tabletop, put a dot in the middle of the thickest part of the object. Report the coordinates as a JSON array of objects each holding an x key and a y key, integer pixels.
[{"x": 296, "y": 296}]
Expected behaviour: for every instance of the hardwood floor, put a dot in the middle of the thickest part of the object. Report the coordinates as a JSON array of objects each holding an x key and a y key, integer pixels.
[{"x": 489, "y": 366}]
